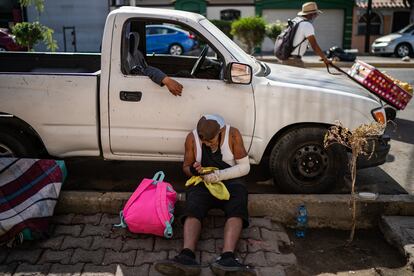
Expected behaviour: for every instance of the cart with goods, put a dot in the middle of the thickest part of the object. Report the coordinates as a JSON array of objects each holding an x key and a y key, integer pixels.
[{"x": 393, "y": 92}]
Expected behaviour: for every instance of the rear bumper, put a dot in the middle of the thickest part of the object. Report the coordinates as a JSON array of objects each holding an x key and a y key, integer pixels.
[{"x": 381, "y": 148}]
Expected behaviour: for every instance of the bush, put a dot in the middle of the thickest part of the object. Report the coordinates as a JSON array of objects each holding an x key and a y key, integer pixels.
[
  {"x": 29, "y": 34},
  {"x": 224, "y": 26},
  {"x": 250, "y": 31},
  {"x": 274, "y": 29}
]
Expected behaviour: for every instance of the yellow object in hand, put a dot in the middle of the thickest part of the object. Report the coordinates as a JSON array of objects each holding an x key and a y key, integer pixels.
[{"x": 218, "y": 189}]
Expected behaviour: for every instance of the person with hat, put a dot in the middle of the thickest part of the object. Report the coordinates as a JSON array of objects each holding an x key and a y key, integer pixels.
[
  {"x": 305, "y": 35},
  {"x": 213, "y": 144}
]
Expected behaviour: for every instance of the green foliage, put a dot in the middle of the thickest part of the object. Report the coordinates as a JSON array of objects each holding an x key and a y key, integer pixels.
[
  {"x": 39, "y": 4},
  {"x": 224, "y": 26},
  {"x": 250, "y": 31},
  {"x": 274, "y": 29},
  {"x": 29, "y": 34}
]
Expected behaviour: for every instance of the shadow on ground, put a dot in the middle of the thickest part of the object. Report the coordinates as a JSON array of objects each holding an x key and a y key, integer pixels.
[
  {"x": 324, "y": 251},
  {"x": 124, "y": 176},
  {"x": 402, "y": 130}
]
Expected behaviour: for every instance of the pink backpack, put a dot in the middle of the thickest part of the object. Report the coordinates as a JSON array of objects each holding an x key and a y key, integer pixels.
[{"x": 150, "y": 208}]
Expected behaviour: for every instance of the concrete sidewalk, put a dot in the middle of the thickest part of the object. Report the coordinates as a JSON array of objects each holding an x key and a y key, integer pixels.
[
  {"x": 89, "y": 245},
  {"x": 379, "y": 62},
  {"x": 399, "y": 231}
]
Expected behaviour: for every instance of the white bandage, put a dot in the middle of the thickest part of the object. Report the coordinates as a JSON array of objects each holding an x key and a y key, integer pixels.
[
  {"x": 212, "y": 177},
  {"x": 241, "y": 168}
]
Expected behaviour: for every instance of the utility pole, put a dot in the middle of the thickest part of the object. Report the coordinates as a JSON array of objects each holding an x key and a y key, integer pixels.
[{"x": 368, "y": 29}]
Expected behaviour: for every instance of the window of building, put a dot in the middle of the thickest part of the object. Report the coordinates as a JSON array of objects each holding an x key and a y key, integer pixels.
[
  {"x": 230, "y": 14},
  {"x": 376, "y": 24}
]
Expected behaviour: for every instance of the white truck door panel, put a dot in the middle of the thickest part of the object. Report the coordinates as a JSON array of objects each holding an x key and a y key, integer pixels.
[{"x": 158, "y": 124}]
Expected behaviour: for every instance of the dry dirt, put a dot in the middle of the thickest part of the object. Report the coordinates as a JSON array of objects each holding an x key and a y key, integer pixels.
[{"x": 324, "y": 251}]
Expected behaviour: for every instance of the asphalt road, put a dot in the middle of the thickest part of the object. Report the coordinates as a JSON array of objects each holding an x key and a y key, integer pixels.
[{"x": 396, "y": 176}]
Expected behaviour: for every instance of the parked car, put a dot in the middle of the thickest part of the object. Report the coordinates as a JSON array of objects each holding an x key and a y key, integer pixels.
[
  {"x": 88, "y": 105},
  {"x": 400, "y": 44},
  {"x": 163, "y": 39},
  {"x": 8, "y": 42}
]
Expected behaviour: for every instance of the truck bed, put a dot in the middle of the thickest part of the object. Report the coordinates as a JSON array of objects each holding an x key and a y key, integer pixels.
[{"x": 50, "y": 62}]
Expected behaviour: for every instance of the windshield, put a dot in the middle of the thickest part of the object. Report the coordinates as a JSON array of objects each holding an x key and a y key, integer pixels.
[
  {"x": 407, "y": 29},
  {"x": 229, "y": 44}
]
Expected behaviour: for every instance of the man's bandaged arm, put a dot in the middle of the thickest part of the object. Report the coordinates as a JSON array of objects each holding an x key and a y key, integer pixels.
[{"x": 241, "y": 168}]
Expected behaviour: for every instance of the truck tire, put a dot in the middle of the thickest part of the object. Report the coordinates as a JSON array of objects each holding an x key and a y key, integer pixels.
[
  {"x": 299, "y": 163},
  {"x": 16, "y": 144}
]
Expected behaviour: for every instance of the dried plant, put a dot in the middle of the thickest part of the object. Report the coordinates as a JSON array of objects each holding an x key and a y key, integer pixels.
[{"x": 357, "y": 141}]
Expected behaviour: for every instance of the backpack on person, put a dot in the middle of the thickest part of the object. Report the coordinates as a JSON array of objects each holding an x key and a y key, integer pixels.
[
  {"x": 284, "y": 42},
  {"x": 150, "y": 209}
]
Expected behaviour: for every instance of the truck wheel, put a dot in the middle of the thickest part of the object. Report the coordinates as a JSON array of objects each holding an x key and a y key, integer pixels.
[
  {"x": 299, "y": 163},
  {"x": 14, "y": 144}
]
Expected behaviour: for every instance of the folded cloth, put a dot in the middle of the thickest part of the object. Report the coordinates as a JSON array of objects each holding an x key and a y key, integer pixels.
[
  {"x": 217, "y": 189},
  {"x": 29, "y": 189}
]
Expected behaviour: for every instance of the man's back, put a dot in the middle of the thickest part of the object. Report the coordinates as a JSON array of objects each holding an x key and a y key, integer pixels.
[{"x": 304, "y": 30}]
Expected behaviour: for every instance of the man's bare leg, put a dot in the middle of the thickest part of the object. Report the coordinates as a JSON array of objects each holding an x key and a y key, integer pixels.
[
  {"x": 192, "y": 230},
  {"x": 232, "y": 231}
]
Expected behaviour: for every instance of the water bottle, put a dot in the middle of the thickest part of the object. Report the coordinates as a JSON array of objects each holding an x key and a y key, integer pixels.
[{"x": 301, "y": 221}]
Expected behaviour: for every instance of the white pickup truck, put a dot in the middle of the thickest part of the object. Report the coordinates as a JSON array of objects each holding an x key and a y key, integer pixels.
[{"x": 67, "y": 105}]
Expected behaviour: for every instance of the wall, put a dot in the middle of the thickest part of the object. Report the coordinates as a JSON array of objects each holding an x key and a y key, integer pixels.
[
  {"x": 88, "y": 17},
  {"x": 358, "y": 41},
  {"x": 214, "y": 11}
]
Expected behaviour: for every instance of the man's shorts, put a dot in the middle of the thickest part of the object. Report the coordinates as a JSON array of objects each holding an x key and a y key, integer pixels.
[{"x": 199, "y": 201}]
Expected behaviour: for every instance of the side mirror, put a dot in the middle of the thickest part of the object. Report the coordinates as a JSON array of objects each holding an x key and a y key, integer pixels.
[{"x": 238, "y": 73}]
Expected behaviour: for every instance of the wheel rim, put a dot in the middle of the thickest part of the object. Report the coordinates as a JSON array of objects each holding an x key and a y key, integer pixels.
[
  {"x": 5, "y": 151},
  {"x": 2, "y": 49},
  {"x": 309, "y": 162},
  {"x": 176, "y": 50},
  {"x": 403, "y": 50}
]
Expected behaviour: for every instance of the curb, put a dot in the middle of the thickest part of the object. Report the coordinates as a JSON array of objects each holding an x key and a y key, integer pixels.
[
  {"x": 332, "y": 211},
  {"x": 349, "y": 64}
]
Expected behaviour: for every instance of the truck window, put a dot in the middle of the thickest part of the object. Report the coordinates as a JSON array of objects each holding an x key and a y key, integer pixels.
[{"x": 174, "y": 49}]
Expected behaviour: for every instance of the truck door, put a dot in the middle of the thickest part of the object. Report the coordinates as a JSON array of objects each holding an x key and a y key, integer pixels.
[{"x": 147, "y": 121}]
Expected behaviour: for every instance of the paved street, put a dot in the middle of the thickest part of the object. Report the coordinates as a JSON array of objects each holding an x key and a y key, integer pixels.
[{"x": 89, "y": 245}]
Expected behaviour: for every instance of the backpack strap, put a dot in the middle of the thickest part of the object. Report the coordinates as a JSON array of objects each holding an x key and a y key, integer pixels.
[
  {"x": 162, "y": 209},
  {"x": 122, "y": 224},
  {"x": 158, "y": 177},
  {"x": 297, "y": 26}
]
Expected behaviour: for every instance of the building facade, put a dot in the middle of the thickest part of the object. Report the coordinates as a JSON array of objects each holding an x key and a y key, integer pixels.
[
  {"x": 78, "y": 25},
  {"x": 387, "y": 16}
]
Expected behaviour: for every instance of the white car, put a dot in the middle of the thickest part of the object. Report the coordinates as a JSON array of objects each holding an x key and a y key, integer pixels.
[
  {"x": 400, "y": 44},
  {"x": 67, "y": 105}
]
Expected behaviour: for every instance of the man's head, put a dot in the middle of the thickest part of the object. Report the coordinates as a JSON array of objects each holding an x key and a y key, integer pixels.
[
  {"x": 310, "y": 11},
  {"x": 208, "y": 129}
]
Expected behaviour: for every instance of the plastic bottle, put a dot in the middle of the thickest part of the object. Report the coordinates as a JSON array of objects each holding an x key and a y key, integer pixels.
[{"x": 301, "y": 221}]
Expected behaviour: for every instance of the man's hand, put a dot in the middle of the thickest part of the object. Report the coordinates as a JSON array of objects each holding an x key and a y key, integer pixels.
[
  {"x": 197, "y": 167},
  {"x": 173, "y": 86},
  {"x": 326, "y": 61},
  {"x": 213, "y": 177}
]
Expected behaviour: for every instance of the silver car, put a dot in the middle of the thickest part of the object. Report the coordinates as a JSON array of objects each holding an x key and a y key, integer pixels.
[{"x": 400, "y": 43}]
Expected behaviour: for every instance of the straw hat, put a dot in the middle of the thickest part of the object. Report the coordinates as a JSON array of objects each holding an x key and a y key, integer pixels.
[{"x": 309, "y": 8}]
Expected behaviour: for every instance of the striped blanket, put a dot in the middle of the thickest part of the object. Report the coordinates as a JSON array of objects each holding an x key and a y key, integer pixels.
[{"x": 29, "y": 189}]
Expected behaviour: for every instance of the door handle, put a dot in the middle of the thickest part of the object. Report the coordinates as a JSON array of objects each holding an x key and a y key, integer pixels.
[{"x": 130, "y": 96}]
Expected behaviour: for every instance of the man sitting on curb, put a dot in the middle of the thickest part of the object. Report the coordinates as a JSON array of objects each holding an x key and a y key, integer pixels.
[
  {"x": 305, "y": 35},
  {"x": 213, "y": 144}
]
